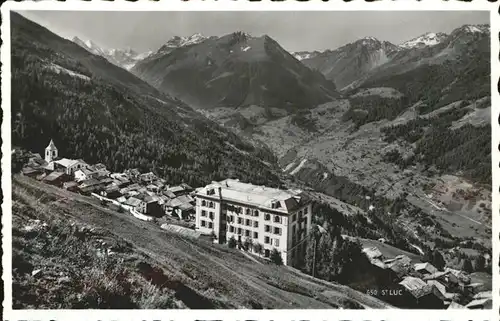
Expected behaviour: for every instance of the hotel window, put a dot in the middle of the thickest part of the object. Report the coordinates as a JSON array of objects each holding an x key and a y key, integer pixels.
[
  {"x": 305, "y": 222},
  {"x": 203, "y": 213},
  {"x": 266, "y": 239},
  {"x": 255, "y": 235},
  {"x": 267, "y": 228},
  {"x": 240, "y": 220},
  {"x": 247, "y": 211},
  {"x": 267, "y": 217},
  {"x": 305, "y": 210},
  {"x": 294, "y": 217},
  {"x": 231, "y": 228},
  {"x": 247, "y": 222},
  {"x": 239, "y": 230},
  {"x": 256, "y": 213},
  {"x": 247, "y": 233},
  {"x": 277, "y": 219},
  {"x": 211, "y": 205},
  {"x": 210, "y": 225},
  {"x": 203, "y": 223},
  {"x": 203, "y": 203},
  {"x": 211, "y": 215},
  {"x": 277, "y": 231},
  {"x": 277, "y": 242},
  {"x": 293, "y": 230},
  {"x": 255, "y": 224}
]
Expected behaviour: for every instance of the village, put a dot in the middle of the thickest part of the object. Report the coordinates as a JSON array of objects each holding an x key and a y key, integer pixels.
[{"x": 398, "y": 280}]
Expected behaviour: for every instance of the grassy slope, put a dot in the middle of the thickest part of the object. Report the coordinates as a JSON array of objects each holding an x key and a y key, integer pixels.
[{"x": 150, "y": 268}]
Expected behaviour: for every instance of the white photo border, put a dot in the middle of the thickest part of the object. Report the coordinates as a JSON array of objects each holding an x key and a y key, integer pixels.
[{"x": 245, "y": 5}]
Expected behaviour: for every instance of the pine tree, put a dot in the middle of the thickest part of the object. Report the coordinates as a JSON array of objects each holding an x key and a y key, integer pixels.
[
  {"x": 438, "y": 260},
  {"x": 276, "y": 257},
  {"x": 467, "y": 266},
  {"x": 479, "y": 263}
]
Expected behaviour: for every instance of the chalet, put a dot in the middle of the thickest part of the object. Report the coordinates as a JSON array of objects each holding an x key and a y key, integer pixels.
[
  {"x": 149, "y": 206},
  {"x": 85, "y": 174},
  {"x": 460, "y": 275},
  {"x": 449, "y": 280},
  {"x": 99, "y": 166},
  {"x": 111, "y": 192},
  {"x": 425, "y": 268},
  {"x": 132, "y": 202},
  {"x": 56, "y": 178},
  {"x": 169, "y": 194},
  {"x": 31, "y": 172},
  {"x": 400, "y": 265},
  {"x": 182, "y": 206},
  {"x": 147, "y": 177},
  {"x": 177, "y": 190},
  {"x": 418, "y": 294},
  {"x": 71, "y": 186},
  {"x": 121, "y": 199},
  {"x": 133, "y": 173}
]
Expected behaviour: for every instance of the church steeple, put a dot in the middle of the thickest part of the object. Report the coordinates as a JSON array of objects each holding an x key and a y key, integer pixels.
[{"x": 51, "y": 152}]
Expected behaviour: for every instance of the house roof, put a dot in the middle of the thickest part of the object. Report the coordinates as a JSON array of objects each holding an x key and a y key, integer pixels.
[
  {"x": 149, "y": 199},
  {"x": 438, "y": 285},
  {"x": 175, "y": 189},
  {"x": 436, "y": 275},
  {"x": 66, "y": 162},
  {"x": 70, "y": 184},
  {"x": 90, "y": 182},
  {"x": 185, "y": 199},
  {"x": 426, "y": 266},
  {"x": 483, "y": 295},
  {"x": 455, "y": 305},
  {"x": 121, "y": 199},
  {"x": 53, "y": 176},
  {"x": 132, "y": 201},
  {"x": 372, "y": 252},
  {"x": 479, "y": 303},
  {"x": 260, "y": 196},
  {"x": 186, "y": 207},
  {"x": 28, "y": 170},
  {"x": 416, "y": 286},
  {"x": 169, "y": 194}
]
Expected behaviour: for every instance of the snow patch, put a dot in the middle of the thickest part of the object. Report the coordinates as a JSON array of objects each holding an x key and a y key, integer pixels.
[
  {"x": 297, "y": 169},
  {"x": 246, "y": 48},
  {"x": 58, "y": 69}
]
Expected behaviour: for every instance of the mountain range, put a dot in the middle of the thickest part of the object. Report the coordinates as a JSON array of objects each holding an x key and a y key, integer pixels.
[
  {"x": 102, "y": 113},
  {"x": 399, "y": 134},
  {"x": 236, "y": 70},
  {"x": 123, "y": 58}
]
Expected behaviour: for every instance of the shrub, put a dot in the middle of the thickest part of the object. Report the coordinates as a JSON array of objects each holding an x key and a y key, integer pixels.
[
  {"x": 231, "y": 243},
  {"x": 276, "y": 257}
]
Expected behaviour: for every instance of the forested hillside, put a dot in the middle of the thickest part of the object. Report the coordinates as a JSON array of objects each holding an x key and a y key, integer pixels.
[{"x": 102, "y": 113}]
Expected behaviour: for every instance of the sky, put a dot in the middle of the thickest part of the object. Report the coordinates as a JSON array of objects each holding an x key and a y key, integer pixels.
[{"x": 295, "y": 31}]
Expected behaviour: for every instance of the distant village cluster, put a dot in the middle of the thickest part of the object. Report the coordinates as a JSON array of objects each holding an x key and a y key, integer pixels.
[
  {"x": 425, "y": 286},
  {"x": 143, "y": 194},
  {"x": 263, "y": 218}
]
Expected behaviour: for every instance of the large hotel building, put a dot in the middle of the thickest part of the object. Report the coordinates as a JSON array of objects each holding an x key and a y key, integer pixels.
[{"x": 274, "y": 218}]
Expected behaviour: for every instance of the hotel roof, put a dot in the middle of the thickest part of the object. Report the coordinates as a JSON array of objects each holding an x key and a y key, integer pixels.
[{"x": 261, "y": 196}]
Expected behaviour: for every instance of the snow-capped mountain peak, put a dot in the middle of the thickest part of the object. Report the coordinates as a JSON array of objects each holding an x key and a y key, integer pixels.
[
  {"x": 177, "y": 41},
  {"x": 427, "y": 39},
  {"x": 301, "y": 55},
  {"x": 125, "y": 58},
  {"x": 475, "y": 28}
]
